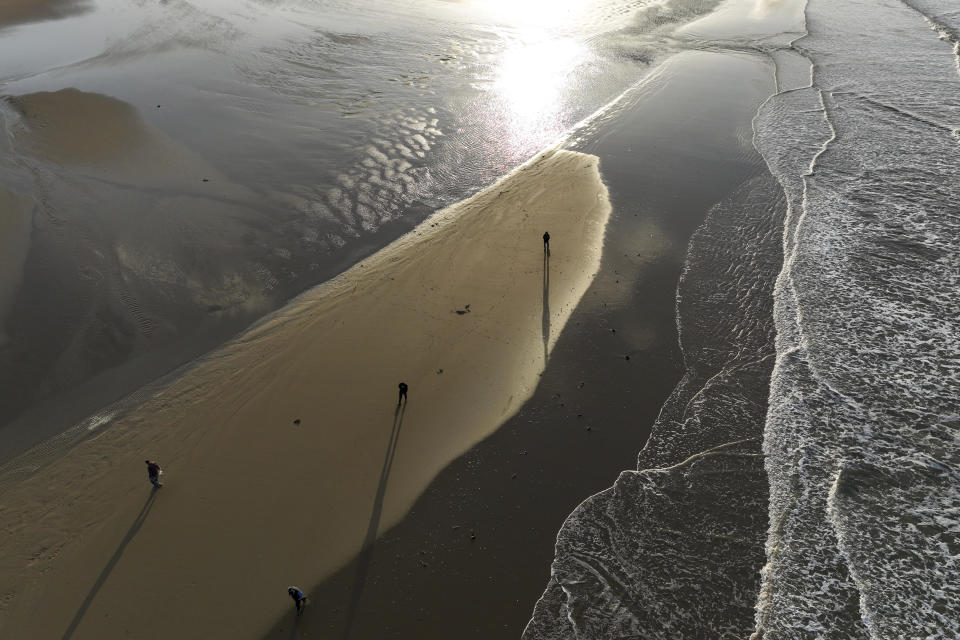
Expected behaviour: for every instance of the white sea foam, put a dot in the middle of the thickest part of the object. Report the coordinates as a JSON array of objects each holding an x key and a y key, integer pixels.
[
  {"x": 672, "y": 549},
  {"x": 861, "y": 437}
]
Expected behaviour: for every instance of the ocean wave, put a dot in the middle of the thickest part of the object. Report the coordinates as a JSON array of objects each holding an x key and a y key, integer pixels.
[
  {"x": 860, "y": 428},
  {"x": 861, "y": 436},
  {"x": 674, "y": 549}
]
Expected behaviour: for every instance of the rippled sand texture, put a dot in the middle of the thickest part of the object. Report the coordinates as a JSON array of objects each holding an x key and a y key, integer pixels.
[
  {"x": 861, "y": 440},
  {"x": 145, "y": 251},
  {"x": 346, "y": 123},
  {"x": 465, "y": 310}
]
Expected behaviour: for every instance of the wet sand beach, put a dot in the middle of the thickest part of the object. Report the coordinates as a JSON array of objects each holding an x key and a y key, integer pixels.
[
  {"x": 14, "y": 240},
  {"x": 722, "y": 405},
  {"x": 533, "y": 378},
  {"x": 474, "y": 554},
  {"x": 106, "y": 269},
  {"x": 275, "y": 445}
]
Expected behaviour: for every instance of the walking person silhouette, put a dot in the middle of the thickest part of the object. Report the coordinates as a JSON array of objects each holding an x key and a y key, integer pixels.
[
  {"x": 546, "y": 242},
  {"x": 153, "y": 472},
  {"x": 402, "y": 397},
  {"x": 298, "y": 598}
]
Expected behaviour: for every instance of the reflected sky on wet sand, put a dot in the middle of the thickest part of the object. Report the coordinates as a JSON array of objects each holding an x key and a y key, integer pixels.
[{"x": 318, "y": 131}]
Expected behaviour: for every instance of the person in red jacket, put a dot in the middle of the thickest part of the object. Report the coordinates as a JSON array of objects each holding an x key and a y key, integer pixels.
[{"x": 154, "y": 471}]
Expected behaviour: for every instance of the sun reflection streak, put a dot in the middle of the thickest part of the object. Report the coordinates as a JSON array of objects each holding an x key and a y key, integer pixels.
[{"x": 531, "y": 79}]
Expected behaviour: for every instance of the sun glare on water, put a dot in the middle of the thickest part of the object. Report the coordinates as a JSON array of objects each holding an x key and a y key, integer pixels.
[
  {"x": 531, "y": 75},
  {"x": 531, "y": 79}
]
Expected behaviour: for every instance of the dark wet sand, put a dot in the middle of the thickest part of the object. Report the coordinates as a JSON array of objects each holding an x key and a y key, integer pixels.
[
  {"x": 474, "y": 554},
  {"x": 14, "y": 12},
  {"x": 155, "y": 265}
]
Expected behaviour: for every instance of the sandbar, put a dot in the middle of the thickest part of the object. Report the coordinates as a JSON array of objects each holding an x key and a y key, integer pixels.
[{"x": 285, "y": 450}]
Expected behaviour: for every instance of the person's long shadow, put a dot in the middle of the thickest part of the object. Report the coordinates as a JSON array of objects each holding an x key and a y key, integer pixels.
[
  {"x": 134, "y": 528},
  {"x": 545, "y": 321},
  {"x": 363, "y": 559}
]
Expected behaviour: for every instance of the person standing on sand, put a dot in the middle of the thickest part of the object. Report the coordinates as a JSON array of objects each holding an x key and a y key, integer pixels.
[
  {"x": 403, "y": 393},
  {"x": 153, "y": 472},
  {"x": 298, "y": 598},
  {"x": 546, "y": 242}
]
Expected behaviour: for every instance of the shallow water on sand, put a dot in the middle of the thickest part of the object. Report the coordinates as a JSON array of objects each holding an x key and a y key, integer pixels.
[
  {"x": 170, "y": 172},
  {"x": 481, "y": 538},
  {"x": 856, "y": 343},
  {"x": 187, "y": 166}
]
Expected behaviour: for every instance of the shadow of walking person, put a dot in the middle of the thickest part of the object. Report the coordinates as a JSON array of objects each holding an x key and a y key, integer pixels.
[
  {"x": 363, "y": 559},
  {"x": 545, "y": 320},
  {"x": 102, "y": 578}
]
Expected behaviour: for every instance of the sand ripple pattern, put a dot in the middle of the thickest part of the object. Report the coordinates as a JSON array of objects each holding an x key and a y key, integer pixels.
[{"x": 345, "y": 76}]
